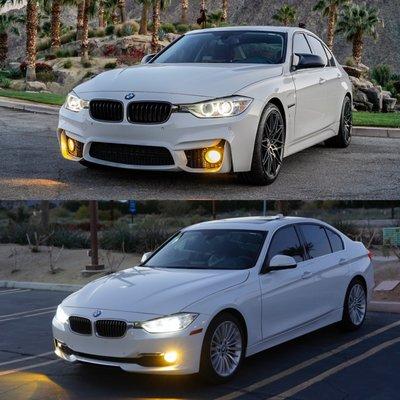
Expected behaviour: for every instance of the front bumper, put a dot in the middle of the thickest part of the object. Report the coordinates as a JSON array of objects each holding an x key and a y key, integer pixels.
[
  {"x": 182, "y": 132},
  {"x": 137, "y": 351}
]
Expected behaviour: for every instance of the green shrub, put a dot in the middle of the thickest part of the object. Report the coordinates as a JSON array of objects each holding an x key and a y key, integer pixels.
[
  {"x": 91, "y": 33},
  {"x": 70, "y": 239},
  {"x": 127, "y": 29},
  {"x": 86, "y": 64},
  {"x": 5, "y": 82},
  {"x": 182, "y": 28},
  {"x": 168, "y": 28},
  {"x": 64, "y": 53},
  {"x": 67, "y": 64},
  {"x": 100, "y": 32},
  {"x": 45, "y": 76},
  {"x": 43, "y": 44},
  {"x": 110, "y": 65},
  {"x": 110, "y": 29},
  {"x": 68, "y": 37},
  {"x": 381, "y": 74},
  {"x": 82, "y": 212}
]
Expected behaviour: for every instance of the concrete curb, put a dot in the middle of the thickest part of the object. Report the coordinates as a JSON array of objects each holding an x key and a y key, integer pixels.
[
  {"x": 59, "y": 287},
  {"x": 391, "y": 133},
  {"x": 5, "y": 102},
  {"x": 385, "y": 306},
  {"x": 28, "y": 106}
]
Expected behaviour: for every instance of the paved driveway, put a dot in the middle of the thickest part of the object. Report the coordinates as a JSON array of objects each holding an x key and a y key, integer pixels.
[
  {"x": 31, "y": 167},
  {"x": 327, "y": 364}
]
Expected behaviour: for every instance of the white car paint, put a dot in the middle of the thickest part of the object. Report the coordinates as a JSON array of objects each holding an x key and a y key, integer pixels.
[
  {"x": 311, "y": 102},
  {"x": 276, "y": 306}
]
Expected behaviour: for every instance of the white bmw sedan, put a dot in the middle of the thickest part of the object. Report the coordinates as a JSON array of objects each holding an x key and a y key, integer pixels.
[
  {"x": 227, "y": 100},
  {"x": 216, "y": 293}
]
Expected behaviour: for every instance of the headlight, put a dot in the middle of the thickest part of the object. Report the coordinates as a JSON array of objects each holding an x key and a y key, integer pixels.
[
  {"x": 220, "y": 108},
  {"x": 173, "y": 323},
  {"x": 74, "y": 103},
  {"x": 61, "y": 316}
]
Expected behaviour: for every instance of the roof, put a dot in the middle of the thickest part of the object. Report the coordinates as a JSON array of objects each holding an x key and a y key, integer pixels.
[
  {"x": 251, "y": 223},
  {"x": 284, "y": 29}
]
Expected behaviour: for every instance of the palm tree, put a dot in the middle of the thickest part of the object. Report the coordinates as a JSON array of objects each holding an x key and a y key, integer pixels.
[
  {"x": 286, "y": 15},
  {"x": 85, "y": 32},
  {"x": 203, "y": 4},
  {"x": 7, "y": 24},
  {"x": 31, "y": 38},
  {"x": 330, "y": 9},
  {"x": 158, "y": 5},
  {"x": 184, "y": 11},
  {"x": 79, "y": 19},
  {"x": 122, "y": 10},
  {"x": 224, "y": 10},
  {"x": 55, "y": 25},
  {"x": 101, "y": 12},
  {"x": 356, "y": 21},
  {"x": 145, "y": 15}
]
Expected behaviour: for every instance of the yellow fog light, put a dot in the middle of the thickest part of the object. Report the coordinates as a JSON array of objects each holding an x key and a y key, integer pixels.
[
  {"x": 71, "y": 145},
  {"x": 171, "y": 357},
  {"x": 213, "y": 156}
]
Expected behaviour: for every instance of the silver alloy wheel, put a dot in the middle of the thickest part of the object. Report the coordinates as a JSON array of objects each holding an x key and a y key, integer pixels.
[
  {"x": 226, "y": 348},
  {"x": 347, "y": 121},
  {"x": 357, "y": 304}
]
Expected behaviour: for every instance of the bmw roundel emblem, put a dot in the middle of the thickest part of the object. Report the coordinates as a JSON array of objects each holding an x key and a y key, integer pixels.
[
  {"x": 129, "y": 96},
  {"x": 97, "y": 313}
]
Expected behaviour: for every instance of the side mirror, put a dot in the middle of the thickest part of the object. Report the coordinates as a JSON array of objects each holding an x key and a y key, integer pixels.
[
  {"x": 145, "y": 257},
  {"x": 305, "y": 61},
  {"x": 280, "y": 263},
  {"x": 147, "y": 58}
]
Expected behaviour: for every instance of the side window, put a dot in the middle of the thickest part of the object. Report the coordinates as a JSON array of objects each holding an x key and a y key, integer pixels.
[
  {"x": 335, "y": 240},
  {"x": 331, "y": 59},
  {"x": 316, "y": 240},
  {"x": 300, "y": 44},
  {"x": 317, "y": 48},
  {"x": 286, "y": 242}
]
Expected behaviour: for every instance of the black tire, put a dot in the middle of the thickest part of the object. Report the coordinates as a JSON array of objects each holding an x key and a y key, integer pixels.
[
  {"x": 268, "y": 149},
  {"x": 343, "y": 138},
  {"x": 348, "y": 322},
  {"x": 207, "y": 370}
]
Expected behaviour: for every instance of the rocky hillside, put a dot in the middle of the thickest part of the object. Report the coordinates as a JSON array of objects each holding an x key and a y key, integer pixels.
[{"x": 259, "y": 12}]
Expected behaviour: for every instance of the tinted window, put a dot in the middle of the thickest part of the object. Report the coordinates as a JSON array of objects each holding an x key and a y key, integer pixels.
[
  {"x": 227, "y": 47},
  {"x": 332, "y": 62},
  {"x": 316, "y": 240},
  {"x": 210, "y": 249},
  {"x": 335, "y": 240},
  {"x": 286, "y": 242},
  {"x": 317, "y": 48},
  {"x": 300, "y": 45}
]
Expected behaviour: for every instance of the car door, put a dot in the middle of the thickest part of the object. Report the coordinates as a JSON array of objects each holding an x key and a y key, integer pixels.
[
  {"x": 311, "y": 102},
  {"x": 286, "y": 296},
  {"x": 328, "y": 267},
  {"x": 331, "y": 81}
]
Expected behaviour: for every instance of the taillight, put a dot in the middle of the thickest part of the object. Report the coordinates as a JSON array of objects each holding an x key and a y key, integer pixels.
[{"x": 370, "y": 254}]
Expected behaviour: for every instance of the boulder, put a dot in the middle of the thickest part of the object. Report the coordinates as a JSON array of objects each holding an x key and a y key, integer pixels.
[
  {"x": 35, "y": 86},
  {"x": 358, "y": 71},
  {"x": 375, "y": 97},
  {"x": 17, "y": 85},
  {"x": 389, "y": 105}
]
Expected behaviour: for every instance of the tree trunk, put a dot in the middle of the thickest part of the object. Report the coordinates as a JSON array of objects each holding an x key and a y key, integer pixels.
[
  {"x": 224, "y": 10},
  {"x": 45, "y": 214},
  {"x": 358, "y": 46},
  {"x": 184, "y": 11},
  {"x": 31, "y": 38},
  {"x": 203, "y": 4},
  {"x": 85, "y": 33},
  {"x": 79, "y": 19},
  {"x": 55, "y": 25},
  {"x": 3, "y": 48},
  {"x": 144, "y": 19},
  {"x": 156, "y": 27},
  {"x": 122, "y": 10},
  {"x": 332, "y": 18},
  {"x": 101, "y": 14}
]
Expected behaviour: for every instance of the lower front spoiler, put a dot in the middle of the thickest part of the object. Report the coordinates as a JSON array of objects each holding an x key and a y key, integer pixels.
[{"x": 145, "y": 364}]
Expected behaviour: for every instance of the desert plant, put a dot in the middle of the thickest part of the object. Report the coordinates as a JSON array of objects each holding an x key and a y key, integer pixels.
[
  {"x": 357, "y": 21},
  {"x": 110, "y": 29},
  {"x": 67, "y": 64},
  {"x": 45, "y": 76},
  {"x": 5, "y": 82},
  {"x": 110, "y": 65},
  {"x": 382, "y": 74},
  {"x": 182, "y": 28},
  {"x": 168, "y": 28},
  {"x": 286, "y": 15}
]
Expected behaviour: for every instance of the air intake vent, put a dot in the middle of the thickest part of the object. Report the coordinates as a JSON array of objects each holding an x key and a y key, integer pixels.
[
  {"x": 110, "y": 328},
  {"x": 131, "y": 154},
  {"x": 149, "y": 112},
  {"x": 80, "y": 325},
  {"x": 106, "y": 110}
]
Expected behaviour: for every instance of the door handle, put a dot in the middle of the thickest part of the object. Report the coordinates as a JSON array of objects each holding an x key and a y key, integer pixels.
[
  {"x": 342, "y": 261},
  {"x": 322, "y": 81},
  {"x": 307, "y": 275}
]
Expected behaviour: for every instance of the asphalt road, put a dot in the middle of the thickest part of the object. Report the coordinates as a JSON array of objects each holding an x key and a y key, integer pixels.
[
  {"x": 31, "y": 167},
  {"x": 327, "y": 364}
]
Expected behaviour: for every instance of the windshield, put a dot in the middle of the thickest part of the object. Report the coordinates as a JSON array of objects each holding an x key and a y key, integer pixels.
[
  {"x": 210, "y": 249},
  {"x": 249, "y": 47}
]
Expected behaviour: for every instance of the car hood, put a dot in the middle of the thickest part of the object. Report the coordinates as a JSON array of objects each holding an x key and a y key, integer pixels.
[
  {"x": 153, "y": 291},
  {"x": 203, "y": 80}
]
